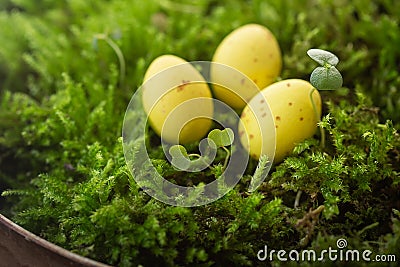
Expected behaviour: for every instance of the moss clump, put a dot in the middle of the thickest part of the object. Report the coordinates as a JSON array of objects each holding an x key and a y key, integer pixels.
[
  {"x": 61, "y": 112},
  {"x": 92, "y": 206}
]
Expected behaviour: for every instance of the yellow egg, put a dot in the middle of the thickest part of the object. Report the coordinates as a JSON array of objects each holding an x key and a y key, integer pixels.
[
  {"x": 253, "y": 50},
  {"x": 177, "y": 100},
  {"x": 291, "y": 113}
]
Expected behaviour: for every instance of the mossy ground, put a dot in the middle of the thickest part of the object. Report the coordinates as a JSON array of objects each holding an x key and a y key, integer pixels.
[{"x": 62, "y": 170}]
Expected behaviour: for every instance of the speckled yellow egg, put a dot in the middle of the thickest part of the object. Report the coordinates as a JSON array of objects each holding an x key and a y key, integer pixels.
[
  {"x": 253, "y": 50},
  {"x": 290, "y": 112},
  {"x": 177, "y": 100}
]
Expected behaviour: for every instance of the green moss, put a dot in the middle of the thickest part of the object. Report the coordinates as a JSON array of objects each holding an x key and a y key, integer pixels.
[{"x": 62, "y": 170}]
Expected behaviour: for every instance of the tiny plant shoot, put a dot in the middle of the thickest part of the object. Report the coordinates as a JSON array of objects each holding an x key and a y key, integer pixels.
[
  {"x": 216, "y": 139},
  {"x": 324, "y": 77}
]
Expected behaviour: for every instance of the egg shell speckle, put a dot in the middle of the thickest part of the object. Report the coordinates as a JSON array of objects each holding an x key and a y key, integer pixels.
[
  {"x": 164, "y": 95},
  {"x": 253, "y": 50},
  {"x": 292, "y": 114}
]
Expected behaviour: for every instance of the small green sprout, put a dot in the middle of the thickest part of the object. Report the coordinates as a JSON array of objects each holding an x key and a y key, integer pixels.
[
  {"x": 324, "y": 77},
  {"x": 215, "y": 139},
  {"x": 180, "y": 157},
  {"x": 222, "y": 139}
]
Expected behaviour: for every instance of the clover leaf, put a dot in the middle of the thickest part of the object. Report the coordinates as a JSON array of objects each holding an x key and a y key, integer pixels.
[
  {"x": 323, "y": 57},
  {"x": 324, "y": 78},
  {"x": 222, "y": 138},
  {"x": 180, "y": 158}
]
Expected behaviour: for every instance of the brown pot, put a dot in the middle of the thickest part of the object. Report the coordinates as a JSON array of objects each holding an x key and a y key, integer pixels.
[{"x": 19, "y": 247}]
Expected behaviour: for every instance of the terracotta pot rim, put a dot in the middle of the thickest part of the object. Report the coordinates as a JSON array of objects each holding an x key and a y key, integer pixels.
[{"x": 24, "y": 247}]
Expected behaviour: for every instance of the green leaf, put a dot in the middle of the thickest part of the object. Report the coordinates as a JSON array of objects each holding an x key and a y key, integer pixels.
[
  {"x": 323, "y": 57},
  {"x": 222, "y": 138},
  {"x": 326, "y": 78},
  {"x": 178, "y": 151},
  {"x": 180, "y": 158}
]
